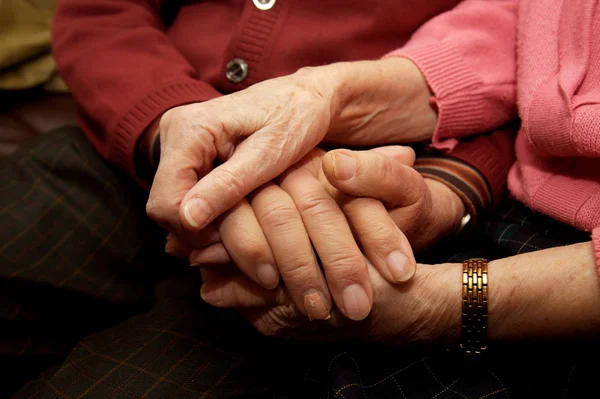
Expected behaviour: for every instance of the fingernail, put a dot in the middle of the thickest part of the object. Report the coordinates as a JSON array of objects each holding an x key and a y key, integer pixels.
[
  {"x": 196, "y": 212},
  {"x": 400, "y": 266},
  {"x": 316, "y": 306},
  {"x": 211, "y": 296},
  {"x": 356, "y": 302},
  {"x": 344, "y": 166},
  {"x": 267, "y": 275}
]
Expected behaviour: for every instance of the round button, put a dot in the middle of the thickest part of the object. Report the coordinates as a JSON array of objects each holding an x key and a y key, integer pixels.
[
  {"x": 264, "y": 4},
  {"x": 236, "y": 70}
]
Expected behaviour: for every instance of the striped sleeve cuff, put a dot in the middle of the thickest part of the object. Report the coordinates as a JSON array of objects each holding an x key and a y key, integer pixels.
[{"x": 466, "y": 181}]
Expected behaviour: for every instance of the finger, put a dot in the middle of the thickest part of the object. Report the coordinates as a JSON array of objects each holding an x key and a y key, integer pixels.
[
  {"x": 374, "y": 175},
  {"x": 384, "y": 244},
  {"x": 256, "y": 160},
  {"x": 184, "y": 158},
  {"x": 213, "y": 255},
  {"x": 245, "y": 242},
  {"x": 343, "y": 262},
  {"x": 237, "y": 291},
  {"x": 176, "y": 247},
  {"x": 292, "y": 249},
  {"x": 403, "y": 154}
]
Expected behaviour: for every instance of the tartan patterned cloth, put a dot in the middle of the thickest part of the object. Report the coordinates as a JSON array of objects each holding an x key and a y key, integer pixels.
[{"x": 91, "y": 307}]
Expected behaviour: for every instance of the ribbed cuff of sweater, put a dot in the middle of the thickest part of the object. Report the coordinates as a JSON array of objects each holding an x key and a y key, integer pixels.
[
  {"x": 596, "y": 241},
  {"x": 135, "y": 120},
  {"x": 457, "y": 89},
  {"x": 464, "y": 180}
]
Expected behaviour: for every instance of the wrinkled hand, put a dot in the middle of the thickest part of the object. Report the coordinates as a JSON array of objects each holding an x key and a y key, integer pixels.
[
  {"x": 259, "y": 132},
  {"x": 425, "y": 309},
  {"x": 382, "y": 173},
  {"x": 424, "y": 209},
  {"x": 281, "y": 225}
]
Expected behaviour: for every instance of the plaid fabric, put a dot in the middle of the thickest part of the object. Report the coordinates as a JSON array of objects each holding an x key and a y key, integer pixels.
[{"x": 91, "y": 307}]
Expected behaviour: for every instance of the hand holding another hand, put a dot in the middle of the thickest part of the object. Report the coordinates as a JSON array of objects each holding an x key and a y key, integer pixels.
[
  {"x": 427, "y": 212},
  {"x": 424, "y": 309},
  {"x": 261, "y": 131},
  {"x": 282, "y": 223}
]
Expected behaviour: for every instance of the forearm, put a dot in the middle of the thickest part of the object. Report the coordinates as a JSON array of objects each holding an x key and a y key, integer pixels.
[
  {"x": 549, "y": 293},
  {"x": 552, "y": 293},
  {"x": 379, "y": 102}
]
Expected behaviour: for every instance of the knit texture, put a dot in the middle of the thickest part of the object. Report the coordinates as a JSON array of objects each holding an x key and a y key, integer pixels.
[
  {"x": 468, "y": 58},
  {"x": 125, "y": 66},
  {"x": 558, "y": 171}
]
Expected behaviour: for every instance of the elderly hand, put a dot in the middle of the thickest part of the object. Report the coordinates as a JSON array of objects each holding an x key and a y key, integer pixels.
[
  {"x": 424, "y": 209},
  {"x": 429, "y": 306},
  {"x": 425, "y": 309},
  {"x": 379, "y": 174},
  {"x": 281, "y": 225},
  {"x": 260, "y": 131}
]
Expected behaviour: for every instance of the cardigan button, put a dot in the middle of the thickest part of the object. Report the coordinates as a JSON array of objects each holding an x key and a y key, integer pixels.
[
  {"x": 264, "y": 4},
  {"x": 236, "y": 70}
]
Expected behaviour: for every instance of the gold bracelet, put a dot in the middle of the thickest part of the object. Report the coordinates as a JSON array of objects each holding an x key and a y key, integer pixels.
[{"x": 474, "y": 306}]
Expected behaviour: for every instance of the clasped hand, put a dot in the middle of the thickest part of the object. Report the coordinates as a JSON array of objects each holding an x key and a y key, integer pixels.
[
  {"x": 342, "y": 204},
  {"x": 326, "y": 201}
]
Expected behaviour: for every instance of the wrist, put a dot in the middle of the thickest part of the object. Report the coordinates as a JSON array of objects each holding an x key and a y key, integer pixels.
[
  {"x": 448, "y": 208},
  {"x": 442, "y": 313},
  {"x": 381, "y": 101}
]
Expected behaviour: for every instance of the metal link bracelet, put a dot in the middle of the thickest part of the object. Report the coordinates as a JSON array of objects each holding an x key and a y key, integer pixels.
[{"x": 474, "y": 306}]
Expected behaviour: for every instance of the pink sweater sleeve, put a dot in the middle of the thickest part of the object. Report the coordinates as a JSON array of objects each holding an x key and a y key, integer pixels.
[
  {"x": 563, "y": 117},
  {"x": 467, "y": 56}
]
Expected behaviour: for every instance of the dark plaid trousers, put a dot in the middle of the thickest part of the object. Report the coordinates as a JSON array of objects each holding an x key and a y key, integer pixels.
[{"x": 92, "y": 307}]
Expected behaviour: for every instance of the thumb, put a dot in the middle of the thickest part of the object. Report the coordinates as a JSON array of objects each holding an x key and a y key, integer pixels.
[
  {"x": 374, "y": 175},
  {"x": 399, "y": 153},
  {"x": 254, "y": 162}
]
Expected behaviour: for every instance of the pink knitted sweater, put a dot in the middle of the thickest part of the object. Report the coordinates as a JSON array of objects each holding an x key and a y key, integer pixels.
[
  {"x": 557, "y": 171},
  {"x": 557, "y": 67}
]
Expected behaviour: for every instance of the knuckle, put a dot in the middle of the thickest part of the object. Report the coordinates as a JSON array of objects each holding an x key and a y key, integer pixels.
[
  {"x": 380, "y": 233},
  {"x": 345, "y": 267},
  {"x": 278, "y": 214},
  {"x": 304, "y": 70},
  {"x": 315, "y": 204},
  {"x": 380, "y": 238},
  {"x": 158, "y": 211},
  {"x": 383, "y": 168},
  {"x": 241, "y": 295},
  {"x": 229, "y": 182},
  {"x": 251, "y": 249},
  {"x": 166, "y": 118},
  {"x": 299, "y": 271},
  {"x": 354, "y": 207}
]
